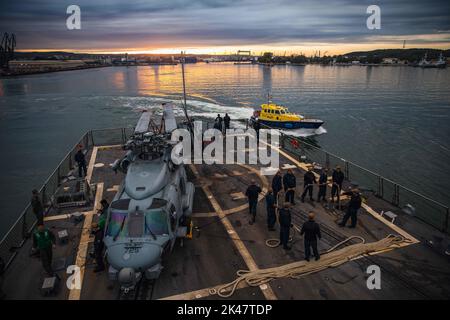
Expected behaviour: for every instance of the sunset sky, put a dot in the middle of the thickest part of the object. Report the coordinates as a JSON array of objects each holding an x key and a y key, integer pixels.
[{"x": 224, "y": 26}]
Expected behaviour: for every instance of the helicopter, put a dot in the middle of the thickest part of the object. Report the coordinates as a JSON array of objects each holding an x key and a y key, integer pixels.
[{"x": 153, "y": 205}]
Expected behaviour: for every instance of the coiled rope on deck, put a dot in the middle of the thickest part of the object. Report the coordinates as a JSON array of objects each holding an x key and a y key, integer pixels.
[
  {"x": 274, "y": 242},
  {"x": 332, "y": 258}
]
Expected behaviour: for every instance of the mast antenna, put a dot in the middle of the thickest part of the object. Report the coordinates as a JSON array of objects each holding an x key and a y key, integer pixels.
[{"x": 184, "y": 93}]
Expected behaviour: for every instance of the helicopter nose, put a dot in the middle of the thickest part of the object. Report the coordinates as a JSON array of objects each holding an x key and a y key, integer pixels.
[{"x": 141, "y": 258}]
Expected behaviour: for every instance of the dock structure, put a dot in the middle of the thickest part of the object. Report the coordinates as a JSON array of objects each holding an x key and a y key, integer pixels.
[{"x": 224, "y": 242}]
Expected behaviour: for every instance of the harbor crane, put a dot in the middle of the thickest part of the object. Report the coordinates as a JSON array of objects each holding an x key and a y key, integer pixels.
[
  {"x": 7, "y": 47},
  {"x": 241, "y": 54}
]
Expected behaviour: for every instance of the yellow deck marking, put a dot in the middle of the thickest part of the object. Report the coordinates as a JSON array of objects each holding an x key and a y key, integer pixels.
[
  {"x": 62, "y": 216},
  {"x": 113, "y": 146},
  {"x": 218, "y": 175},
  {"x": 114, "y": 188},
  {"x": 248, "y": 259},
  {"x": 243, "y": 206},
  {"x": 75, "y": 294},
  {"x": 91, "y": 166},
  {"x": 394, "y": 227},
  {"x": 372, "y": 212},
  {"x": 204, "y": 215},
  {"x": 90, "y": 169},
  {"x": 58, "y": 217},
  {"x": 237, "y": 195}
]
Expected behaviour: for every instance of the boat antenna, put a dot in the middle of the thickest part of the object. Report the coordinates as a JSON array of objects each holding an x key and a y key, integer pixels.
[{"x": 184, "y": 92}]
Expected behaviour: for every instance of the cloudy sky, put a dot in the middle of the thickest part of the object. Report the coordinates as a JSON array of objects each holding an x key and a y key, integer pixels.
[{"x": 217, "y": 26}]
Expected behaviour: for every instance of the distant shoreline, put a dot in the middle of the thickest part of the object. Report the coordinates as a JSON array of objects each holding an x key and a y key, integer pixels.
[{"x": 18, "y": 74}]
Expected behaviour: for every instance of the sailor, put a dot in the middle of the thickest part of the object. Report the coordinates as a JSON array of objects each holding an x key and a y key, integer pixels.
[
  {"x": 256, "y": 127},
  {"x": 311, "y": 232},
  {"x": 44, "y": 241},
  {"x": 218, "y": 123},
  {"x": 277, "y": 184},
  {"x": 323, "y": 179},
  {"x": 81, "y": 161},
  {"x": 98, "y": 233},
  {"x": 353, "y": 207},
  {"x": 252, "y": 194},
  {"x": 337, "y": 180},
  {"x": 38, "y": 209},
  {"x": 271, "y": 206},
  {"x": 226, "y": 121},
  {"x": 289, "y": 184},
  {"x": 103, "y": 212},
  {"x": 284, "y": 217},
  {"x": 308, "y": 181}
]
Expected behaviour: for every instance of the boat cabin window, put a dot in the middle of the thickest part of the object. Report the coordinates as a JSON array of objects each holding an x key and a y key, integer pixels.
[{"x": 277, "y": 111}]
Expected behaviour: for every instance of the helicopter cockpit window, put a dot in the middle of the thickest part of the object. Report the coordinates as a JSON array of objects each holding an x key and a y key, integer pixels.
[
  {"x": 155, "y": 222},
  {"x": 135, "y": 224},
  {"x": 117, "y": 226}
]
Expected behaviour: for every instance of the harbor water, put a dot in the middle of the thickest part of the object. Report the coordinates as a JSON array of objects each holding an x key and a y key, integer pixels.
[{"x": 391, "y": 120}]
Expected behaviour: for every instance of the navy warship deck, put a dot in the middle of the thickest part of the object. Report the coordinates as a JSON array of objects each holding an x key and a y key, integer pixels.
[{"x": 224, "y": 242}]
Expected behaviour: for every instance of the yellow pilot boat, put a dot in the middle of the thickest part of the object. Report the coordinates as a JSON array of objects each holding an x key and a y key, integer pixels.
[{"x": 277, "y": 116}]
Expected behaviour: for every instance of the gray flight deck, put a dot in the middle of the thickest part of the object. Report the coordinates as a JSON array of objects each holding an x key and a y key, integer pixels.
[{"x": 416, "y": 271}]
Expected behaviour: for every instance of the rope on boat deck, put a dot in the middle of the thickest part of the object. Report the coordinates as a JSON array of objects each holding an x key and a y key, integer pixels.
[{"x": 331, "y": 258}]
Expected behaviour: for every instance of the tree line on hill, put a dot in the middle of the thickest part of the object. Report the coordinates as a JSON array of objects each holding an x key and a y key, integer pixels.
[{"x": 369, "y": 57}]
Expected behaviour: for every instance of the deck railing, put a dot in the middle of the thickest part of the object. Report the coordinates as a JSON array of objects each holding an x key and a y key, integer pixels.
[
  {"x": 21, "y": 230},
  {"x": 432, "y": 212},
  {"x": 428, "y": 210}
]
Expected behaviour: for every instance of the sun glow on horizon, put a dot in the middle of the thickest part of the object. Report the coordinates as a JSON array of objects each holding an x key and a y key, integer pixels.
[{"x": 392, "y": 42}]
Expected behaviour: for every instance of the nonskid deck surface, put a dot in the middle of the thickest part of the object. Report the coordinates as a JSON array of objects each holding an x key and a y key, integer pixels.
[{"x": 224, "y": 242}]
